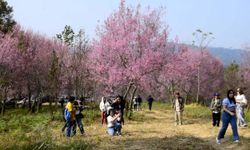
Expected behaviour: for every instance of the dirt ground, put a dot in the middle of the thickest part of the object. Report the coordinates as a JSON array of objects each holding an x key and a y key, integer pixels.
[{"x": 157, "y": 131}]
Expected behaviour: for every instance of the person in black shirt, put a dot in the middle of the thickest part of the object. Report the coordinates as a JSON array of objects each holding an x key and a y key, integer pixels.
[
  {"x": 150, "y": 102},
  {"x": 139, "y": 101}
]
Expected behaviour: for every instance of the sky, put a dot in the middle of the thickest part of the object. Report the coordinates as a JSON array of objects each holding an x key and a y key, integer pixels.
[{"x": 228, "y": 20}]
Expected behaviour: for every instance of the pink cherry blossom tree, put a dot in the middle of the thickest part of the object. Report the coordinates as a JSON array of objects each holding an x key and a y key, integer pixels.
[
  {"x": 28, "y": 58},
  {"x": 130, "y": 46}
]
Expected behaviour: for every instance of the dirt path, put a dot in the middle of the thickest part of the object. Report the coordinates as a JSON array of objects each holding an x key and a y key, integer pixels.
[{"x": 158, "y": 131}]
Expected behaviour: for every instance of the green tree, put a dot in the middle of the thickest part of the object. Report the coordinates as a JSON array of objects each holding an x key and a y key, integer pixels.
[
  {"x": 54, "y": 73},
  {"x": 5, "y": 84},
  {"x": 67, "y": 35},
  {"x": 6, "y": 21},
  {"x": 231, "y": 76},
  {"x": 81, "y": 48}
]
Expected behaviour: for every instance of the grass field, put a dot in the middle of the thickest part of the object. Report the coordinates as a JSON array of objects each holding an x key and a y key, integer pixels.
[{"x": 146, "y": 130}]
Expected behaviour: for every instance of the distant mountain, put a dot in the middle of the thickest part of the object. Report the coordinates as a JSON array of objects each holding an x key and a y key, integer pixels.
[{"x": 226, "y": 55}]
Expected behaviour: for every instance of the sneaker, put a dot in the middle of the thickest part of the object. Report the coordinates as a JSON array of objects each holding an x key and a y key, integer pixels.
[
  {"x": 82, "y": 132},
  {"x": 118, "y": 133},
  {"x": 218, "y": 141},
  {"x": 244, "y": 125},
  {"x": 236, "y": 141}
]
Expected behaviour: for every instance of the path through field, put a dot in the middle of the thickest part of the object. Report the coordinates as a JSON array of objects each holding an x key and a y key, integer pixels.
[{"x": 156, "y": 130}]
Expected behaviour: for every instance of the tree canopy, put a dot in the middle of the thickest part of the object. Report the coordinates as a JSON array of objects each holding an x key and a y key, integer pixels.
[{"x": 6, "y": 20}]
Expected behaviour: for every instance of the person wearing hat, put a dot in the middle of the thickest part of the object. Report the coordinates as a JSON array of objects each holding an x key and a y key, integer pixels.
[{"x": 216, "y": 109}]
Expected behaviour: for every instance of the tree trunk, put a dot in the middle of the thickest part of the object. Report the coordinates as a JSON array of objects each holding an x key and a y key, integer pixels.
[
  {"x": 127, "y": 91},
  {"x": 171, "y": 96},
  {"x": 3, "y": 107},
  {"x": 51, "y": 107},
  {"x": 39, "y": 99},
  {"x": 33, "y": 106},
  {"x": 39, "y": 93},
  {"x": 171, "y": 90},
  {"x": 24, "y": 103},
  {"x": 5, "y": 98},
  {"x": 186, "y": 99},
  {"x": 131, "y": 102},
  {"x": 29, "y": 97},
  {"x": 38, "y": 104},
  {"x": 198, "y": 85},
  {"x": 125, "y": 97}
]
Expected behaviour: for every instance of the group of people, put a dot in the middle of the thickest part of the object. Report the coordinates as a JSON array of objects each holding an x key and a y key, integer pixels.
[
  {"x": 73, "y": 117},
  {"x": 112, "y": 110},
  {"x": 138, "y": 100},
  {"x": 137, "y": 103},
  {"x": 233, "y": 113},
  {"x": 112, "y": 114}
]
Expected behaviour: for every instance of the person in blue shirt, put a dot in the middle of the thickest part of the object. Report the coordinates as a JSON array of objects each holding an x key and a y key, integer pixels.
[{"x": 228, "y": 116}]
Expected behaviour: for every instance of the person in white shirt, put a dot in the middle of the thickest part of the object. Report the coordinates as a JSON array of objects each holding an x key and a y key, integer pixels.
[
  {"x": 178, "y": 106},
  {"x": 241, "y": 103},
  {"x": 135, "y": 103},
  {"x": 113, "y": 126}
]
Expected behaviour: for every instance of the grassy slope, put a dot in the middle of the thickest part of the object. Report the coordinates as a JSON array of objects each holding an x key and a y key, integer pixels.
[{"x": 147, "y": 130}]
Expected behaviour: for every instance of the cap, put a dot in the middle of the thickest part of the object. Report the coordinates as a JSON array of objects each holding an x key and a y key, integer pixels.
[{"x": 216, "y": 94}]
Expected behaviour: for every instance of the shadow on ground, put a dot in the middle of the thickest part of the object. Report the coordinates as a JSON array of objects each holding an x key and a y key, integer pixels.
[{"x": 166, "y": 143}]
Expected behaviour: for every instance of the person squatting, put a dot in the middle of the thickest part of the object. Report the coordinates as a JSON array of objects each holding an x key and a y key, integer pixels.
[{"x": 112, "y": 114}]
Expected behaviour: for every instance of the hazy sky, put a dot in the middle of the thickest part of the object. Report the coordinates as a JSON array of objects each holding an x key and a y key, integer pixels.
[{"x": 228, "y": 20}]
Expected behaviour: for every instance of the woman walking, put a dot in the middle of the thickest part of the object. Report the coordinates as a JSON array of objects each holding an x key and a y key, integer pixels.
[
  {"x": 228, "y": 116},
  {"x": 241, "y": 103}
]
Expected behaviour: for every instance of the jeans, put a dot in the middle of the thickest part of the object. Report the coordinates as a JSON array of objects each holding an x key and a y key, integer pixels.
[
  {"x": 115, "y": 129},
  {"x": 240, "y": 114},
  {"x": 226, "y": 119},
  {"x": 150, "y": 106},
  {"x": 71, "y": 126},
  {"x": 80, "y": 125},
  {"x": 64, "y": 127}
]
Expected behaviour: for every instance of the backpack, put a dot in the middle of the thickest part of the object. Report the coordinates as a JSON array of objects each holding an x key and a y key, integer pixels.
[
  {"x": 67, "y": 114},
  {"x": 102, "y": 105}
]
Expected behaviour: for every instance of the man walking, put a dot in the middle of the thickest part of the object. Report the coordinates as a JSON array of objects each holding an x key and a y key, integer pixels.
[{"x": 150, "y": 102}]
